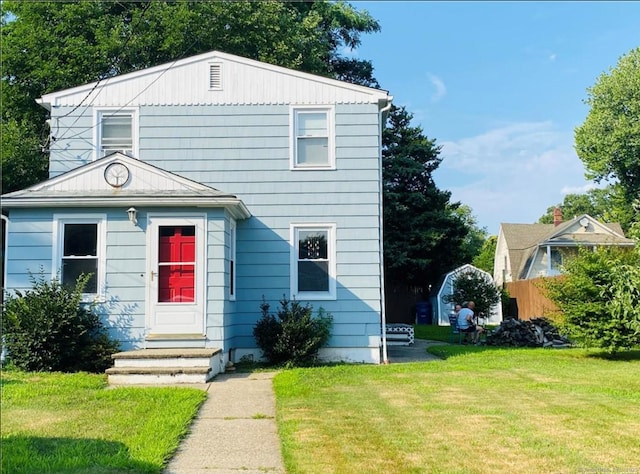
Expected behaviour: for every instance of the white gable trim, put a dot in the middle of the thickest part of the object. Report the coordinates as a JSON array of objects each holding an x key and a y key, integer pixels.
[{"x": 187, "y": 81}]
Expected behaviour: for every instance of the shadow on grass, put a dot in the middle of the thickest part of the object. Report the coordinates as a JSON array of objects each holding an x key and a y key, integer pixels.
[
  {"x": 627, "y": 355},
  {"x": 34, "y": 455}
]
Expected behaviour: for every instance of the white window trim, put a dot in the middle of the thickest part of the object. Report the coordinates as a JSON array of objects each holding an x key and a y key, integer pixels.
[
  {"x": 331, "y": 251},
  {"x": 293, "y": 142},
  {"x": 232, "y": 258},
  {"x": 97, "y": 135},
  {"x": 59, "y": 220}
]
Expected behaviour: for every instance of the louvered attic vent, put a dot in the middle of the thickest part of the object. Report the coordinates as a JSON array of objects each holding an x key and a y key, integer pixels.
[{"x": 215, "y": 76}]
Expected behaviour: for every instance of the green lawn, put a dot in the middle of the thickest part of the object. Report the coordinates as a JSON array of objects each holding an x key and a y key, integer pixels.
[
  {"x": 71, "y": 423},
  {"x": 482, "y": 410}
]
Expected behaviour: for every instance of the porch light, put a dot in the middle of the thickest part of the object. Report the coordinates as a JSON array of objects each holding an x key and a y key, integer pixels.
[{"x": 133, "y": 212}]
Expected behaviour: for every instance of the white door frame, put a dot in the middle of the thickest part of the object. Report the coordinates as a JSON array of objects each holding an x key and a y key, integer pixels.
[{"x": 160, "y": 316}]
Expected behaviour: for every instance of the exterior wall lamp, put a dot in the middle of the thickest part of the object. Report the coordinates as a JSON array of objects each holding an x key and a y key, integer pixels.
[{"x": 133, "y": 212}]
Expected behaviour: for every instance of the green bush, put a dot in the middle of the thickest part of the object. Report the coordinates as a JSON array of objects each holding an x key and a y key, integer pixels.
[
  {"x": 48, "y": 329},
  {"x": 599, "y": 298},
  {"x": 294, "y": 336}
]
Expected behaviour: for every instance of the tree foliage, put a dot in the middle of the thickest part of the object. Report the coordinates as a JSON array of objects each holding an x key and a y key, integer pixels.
[
  {"x": 599, "y": 298},
  {"x": 469, "y": 285},
  {"x": 485, "y": 259},
  {"x": 49, "y": 46},
  {"x": 423, "y": 234},
  {"x": 608, "y": 142},
  {"x": 605, "y": 204}
]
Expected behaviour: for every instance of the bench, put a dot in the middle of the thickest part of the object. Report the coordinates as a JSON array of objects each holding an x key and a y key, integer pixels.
[{"x": 399, "y": 334}]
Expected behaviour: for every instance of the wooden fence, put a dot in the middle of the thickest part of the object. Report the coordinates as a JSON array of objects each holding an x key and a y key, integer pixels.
[{"x": 530, "y": 301}]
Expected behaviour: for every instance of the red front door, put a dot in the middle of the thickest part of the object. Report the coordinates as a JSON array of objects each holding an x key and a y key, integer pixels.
[{"x": 176, "y": 264}]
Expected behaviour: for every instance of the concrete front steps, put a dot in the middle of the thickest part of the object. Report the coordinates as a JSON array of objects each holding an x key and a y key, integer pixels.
[{"x": 165, "y": 366}]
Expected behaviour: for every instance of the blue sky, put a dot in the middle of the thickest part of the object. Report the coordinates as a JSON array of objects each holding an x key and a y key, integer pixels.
[{"x": 500, "y": 86}]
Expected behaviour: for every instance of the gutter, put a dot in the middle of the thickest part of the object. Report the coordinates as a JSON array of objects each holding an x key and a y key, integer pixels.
[{"x": 383, "y": 320}]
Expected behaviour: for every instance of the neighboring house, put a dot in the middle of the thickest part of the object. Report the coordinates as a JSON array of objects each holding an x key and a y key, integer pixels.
[
  {"x": 191, "y": 190},
  {"x": 442, "y": 309},
  {"x": 527, "y": 251}
]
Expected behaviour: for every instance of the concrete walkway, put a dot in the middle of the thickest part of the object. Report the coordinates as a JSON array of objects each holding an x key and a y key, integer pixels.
[{"x": 235, "y": 431}]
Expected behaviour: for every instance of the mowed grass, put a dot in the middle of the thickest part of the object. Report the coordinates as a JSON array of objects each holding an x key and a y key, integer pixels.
[
  {"x": 71, "y": 423},
  {"x": 481, "y": 410}
]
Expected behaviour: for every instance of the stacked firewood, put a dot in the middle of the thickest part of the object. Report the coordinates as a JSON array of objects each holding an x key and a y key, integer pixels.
[{"x": 537, "y": 332}]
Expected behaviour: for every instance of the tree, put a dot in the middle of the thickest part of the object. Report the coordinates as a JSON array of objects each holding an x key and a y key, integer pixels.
[
  {"x": 608, "y": 142},
  {"x": 605, "y": 204},
  {"x": 485, "y": 259},
  {"x": 473, "y": 242},
  {"x": 470, "y": 285},
  {"x": 49, "y": 46},
  {"x": 423, "y": 233}
]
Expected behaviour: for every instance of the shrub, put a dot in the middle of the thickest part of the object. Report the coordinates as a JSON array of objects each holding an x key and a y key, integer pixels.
[
  {"x": 598, "y": 298},
  {"x": 48, "y": 329},
  {"x": 294, "y": 336}
]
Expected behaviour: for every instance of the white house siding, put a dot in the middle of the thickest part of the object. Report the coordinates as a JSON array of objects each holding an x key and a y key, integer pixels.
[{"x": 244, "y": 150}]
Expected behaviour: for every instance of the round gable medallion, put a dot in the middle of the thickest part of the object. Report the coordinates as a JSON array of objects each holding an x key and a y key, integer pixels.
[{"x": 116, "y": 174}]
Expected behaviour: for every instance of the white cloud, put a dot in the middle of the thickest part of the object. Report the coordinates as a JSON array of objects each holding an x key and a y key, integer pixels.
[
  {"x": 441, "y": 89},
  {"x": 552, "y": 57},
  {"x": 511, "y": 173}
]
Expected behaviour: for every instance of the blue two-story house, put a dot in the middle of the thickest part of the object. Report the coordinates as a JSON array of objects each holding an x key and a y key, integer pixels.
[{"x": 193, "y": 189}]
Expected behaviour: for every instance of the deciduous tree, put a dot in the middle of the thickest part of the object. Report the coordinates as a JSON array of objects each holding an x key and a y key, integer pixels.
[{"x": 608, "y": 142}]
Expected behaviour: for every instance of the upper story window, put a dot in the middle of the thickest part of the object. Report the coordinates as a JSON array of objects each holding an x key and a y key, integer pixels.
[
  {"x": 80, "y": 250},
  {"x": 312, "y": 138},
  {"x": 116, "y": 130},
  {"x": 313, "y": 261}
]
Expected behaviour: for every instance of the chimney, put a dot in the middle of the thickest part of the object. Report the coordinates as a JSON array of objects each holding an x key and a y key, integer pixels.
[{"x": 557, "y": 216}]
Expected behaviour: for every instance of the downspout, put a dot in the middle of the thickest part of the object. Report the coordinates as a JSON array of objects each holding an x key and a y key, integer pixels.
[
  {"x": 3, "y": 352},
  {"x": 4, "y": 251},
  {"x": 383, "y": 321}
]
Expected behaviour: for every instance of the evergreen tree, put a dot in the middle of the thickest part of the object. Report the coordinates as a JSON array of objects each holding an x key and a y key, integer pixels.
[{"x": 423, "y": 234}]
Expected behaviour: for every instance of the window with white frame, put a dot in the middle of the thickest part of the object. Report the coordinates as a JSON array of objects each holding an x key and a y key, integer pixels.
[
  {"x": 232, "y": 262},
  {"x": 80, "y": 250},
  {"x": 116, "y": 130},
  {"x": 313, "y": 262},
  {"x": 312, "y": 138}
]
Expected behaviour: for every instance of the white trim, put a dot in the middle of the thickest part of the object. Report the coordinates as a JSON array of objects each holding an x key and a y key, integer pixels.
[
  {"x": 294, "y": 111},
  {"x": 59, "y": 220},
  {"x": 232, "y": 260},
  {"x": 330, "y": 228},
  {"x": 97, "y": 121},
  {"x": 53, "y": 99}
]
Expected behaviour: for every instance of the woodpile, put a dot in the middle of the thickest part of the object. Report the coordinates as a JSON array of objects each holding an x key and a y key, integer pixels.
[{"x": 536, "y": 332}]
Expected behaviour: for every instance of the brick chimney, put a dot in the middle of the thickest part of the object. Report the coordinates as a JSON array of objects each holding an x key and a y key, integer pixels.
[{"x": 557, "y": 216}]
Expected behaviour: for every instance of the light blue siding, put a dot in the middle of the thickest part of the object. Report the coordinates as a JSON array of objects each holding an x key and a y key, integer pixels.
[{"x": 244, "y": 151}]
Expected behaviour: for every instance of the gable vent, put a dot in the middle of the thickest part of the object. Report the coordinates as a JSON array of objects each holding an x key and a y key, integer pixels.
[{"x": 215, "y": 76}]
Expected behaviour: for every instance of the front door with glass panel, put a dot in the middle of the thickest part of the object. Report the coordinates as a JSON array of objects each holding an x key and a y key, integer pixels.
[{"x": 176, "y": 275}]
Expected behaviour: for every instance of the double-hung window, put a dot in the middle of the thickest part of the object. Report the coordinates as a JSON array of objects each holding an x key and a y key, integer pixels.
[
  {"x": 80, "y": 250},
  {"x": 312, "y": 138},
  {"x": 313, "y": 261},
  {"x": 116, "y": 131}
]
